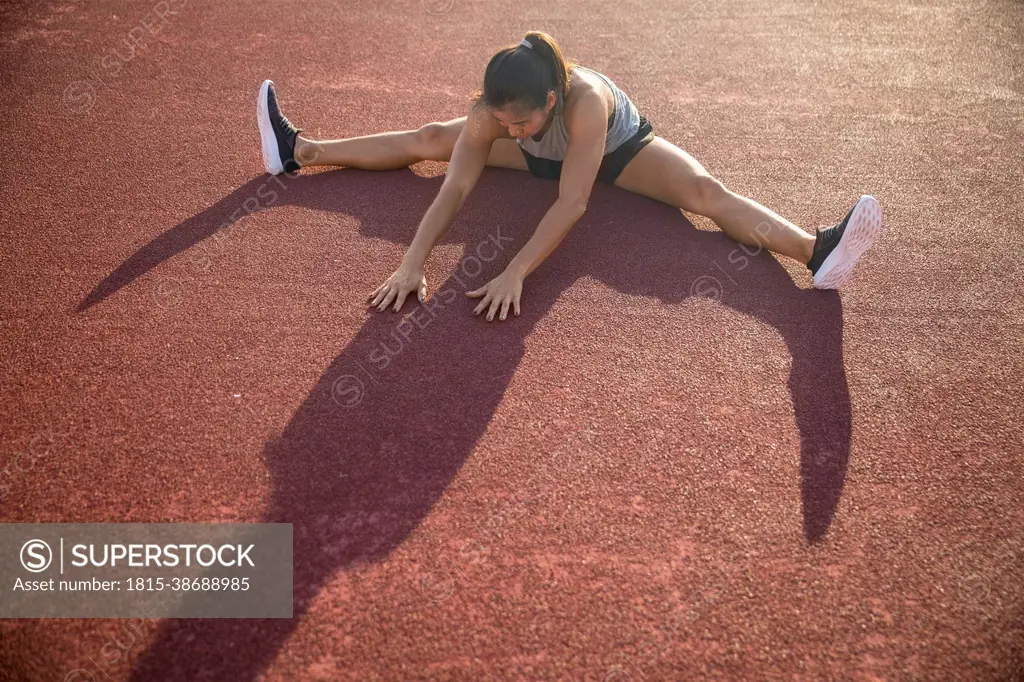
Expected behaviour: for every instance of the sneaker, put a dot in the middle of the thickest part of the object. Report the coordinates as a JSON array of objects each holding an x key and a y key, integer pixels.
[
  {"x": 277, "y": 133},
  {"x": 837, "y": 248}
]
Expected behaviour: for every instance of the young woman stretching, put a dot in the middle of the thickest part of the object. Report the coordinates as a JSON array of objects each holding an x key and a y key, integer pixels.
[{"x": 562, "y": 121}]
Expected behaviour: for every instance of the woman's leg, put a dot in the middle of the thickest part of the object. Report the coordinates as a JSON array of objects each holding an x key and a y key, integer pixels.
[
  {"x": 390, "y": 151},
  {"x": 285, "y": 149},
  {"x": 664, "y": 172},
  {"x": 383, "y": 151}
]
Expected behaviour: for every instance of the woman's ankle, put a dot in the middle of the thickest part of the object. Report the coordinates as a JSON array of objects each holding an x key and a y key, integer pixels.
[
  {"x": 306, "y": 151},
  {"x": 807, "y": 249}
]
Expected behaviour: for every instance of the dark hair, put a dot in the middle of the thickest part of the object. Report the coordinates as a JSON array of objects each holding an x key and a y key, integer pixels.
[{"x": 523, "y": 76}]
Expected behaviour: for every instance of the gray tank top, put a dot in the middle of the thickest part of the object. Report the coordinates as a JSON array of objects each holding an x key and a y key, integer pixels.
[{"x": 623, "y": 125}]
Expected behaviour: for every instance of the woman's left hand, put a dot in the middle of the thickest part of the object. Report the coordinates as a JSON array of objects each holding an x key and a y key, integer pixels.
[{"x": 501, "y": 292}]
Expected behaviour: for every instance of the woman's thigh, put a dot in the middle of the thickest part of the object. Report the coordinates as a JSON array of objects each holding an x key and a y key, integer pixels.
[
  {"x": 505, "y": 153},
  {"x": 664, "y": 172}
]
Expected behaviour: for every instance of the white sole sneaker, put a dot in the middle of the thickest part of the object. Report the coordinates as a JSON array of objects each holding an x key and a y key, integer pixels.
[
  {"x": 862, "y": 228},
  {"x": 271, "y": 155}
]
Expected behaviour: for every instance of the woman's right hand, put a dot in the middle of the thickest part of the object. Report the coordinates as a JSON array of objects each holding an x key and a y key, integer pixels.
[{"x": 406, "y": 279}]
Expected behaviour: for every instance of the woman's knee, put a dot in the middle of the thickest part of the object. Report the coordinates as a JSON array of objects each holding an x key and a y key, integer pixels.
[
  {"x": 432, "y": 142},
  {"x": 708, "y": 195}
]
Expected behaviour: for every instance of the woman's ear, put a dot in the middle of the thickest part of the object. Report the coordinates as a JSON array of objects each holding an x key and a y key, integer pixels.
[{"x": 551, "y": 101}]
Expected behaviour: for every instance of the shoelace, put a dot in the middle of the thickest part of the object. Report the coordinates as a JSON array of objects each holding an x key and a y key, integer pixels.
[
  {"x": 283, "y": 121},
  {"x": 829, "y": 236},
  {"x": 287, "y": 125}
]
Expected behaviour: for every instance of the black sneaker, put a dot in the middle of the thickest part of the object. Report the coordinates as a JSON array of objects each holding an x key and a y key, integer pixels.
[
  {"x": 277, "y": 133},
  {"x": 837, "y": 248}
]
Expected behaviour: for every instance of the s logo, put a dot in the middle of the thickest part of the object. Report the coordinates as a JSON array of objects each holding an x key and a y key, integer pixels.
[{"x": 36, "y": 556}]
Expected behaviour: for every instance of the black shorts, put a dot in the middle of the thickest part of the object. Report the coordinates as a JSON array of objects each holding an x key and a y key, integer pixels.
[{"x": 611, "y": 165}]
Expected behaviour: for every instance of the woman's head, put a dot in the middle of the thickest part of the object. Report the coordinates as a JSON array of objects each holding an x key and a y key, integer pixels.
[{"x": 520, "y": 84}]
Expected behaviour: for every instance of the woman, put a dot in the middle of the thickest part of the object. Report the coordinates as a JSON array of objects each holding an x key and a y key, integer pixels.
[{"x": 562, "y": 121}]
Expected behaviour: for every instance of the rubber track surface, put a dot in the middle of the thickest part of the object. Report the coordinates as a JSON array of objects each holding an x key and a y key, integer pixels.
[{"x": 681, "y": 462}]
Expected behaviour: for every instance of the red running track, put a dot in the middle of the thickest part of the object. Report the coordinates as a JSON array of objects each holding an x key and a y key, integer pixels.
[{"x": 680, "y": 462}]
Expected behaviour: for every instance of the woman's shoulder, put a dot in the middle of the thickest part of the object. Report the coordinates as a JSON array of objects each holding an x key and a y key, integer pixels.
[
  {"x": 582, "y": 81},
  {"x": 581, "y": 75}
]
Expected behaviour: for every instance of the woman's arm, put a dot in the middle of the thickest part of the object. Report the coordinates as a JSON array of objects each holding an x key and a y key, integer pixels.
[
  {"x": 469, "y": 157},
  {"x": 467, "y": 163},
  {"x": 435, "y": 223},
  {"x": 587, "y": 127}
]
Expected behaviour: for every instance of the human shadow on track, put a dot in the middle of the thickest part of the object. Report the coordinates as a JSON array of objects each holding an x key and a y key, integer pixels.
[{"x": 392, "y": 420}]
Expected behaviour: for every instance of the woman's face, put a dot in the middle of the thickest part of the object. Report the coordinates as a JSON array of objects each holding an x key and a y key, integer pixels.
[{"x": 523, "y": 123}]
